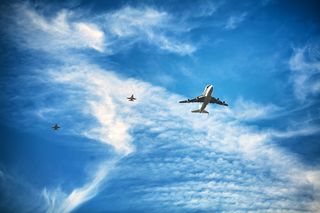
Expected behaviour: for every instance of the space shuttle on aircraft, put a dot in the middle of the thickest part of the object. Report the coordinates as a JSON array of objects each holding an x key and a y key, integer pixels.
[{"x": 205, "y": 98}]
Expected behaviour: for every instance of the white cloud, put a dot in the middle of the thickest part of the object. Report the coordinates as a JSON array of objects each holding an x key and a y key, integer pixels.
[
  {"x": 107, "y": 33},
  {"x": 206, "y": 8},
  {"x": 130, "y": 21},
  {"x": 57, "y": 33},
  {"x": 234, "y": 21},
  {"x": 147, "y": 24},
  {"x": 111, "y": 129},
  {"x": 305, "y": 66},
  {"x": 59, "y": 201},
  {"x": 308, "y": 130},
  {"x": 249, "y": 110},
  {"x": 90, "y": 35}
]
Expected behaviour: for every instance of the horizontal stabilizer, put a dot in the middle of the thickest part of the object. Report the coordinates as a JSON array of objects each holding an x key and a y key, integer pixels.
[{"x": 198, "y": 111}]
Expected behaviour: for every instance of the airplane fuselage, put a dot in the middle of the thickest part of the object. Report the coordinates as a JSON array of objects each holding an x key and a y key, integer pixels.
[{"x": 207, "y": 97}]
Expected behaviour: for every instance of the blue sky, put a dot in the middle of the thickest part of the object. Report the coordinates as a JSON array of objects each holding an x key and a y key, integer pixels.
[{"x": 75, "y": 63}]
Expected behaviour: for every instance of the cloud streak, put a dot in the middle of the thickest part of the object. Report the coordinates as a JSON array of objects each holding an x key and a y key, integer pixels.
[
  {"x": 305, "y": 66},
  {"x": 62, "y": 32},
  {"x": 146, "y": 24},
  {"x": 107, "y": 33},
  {"x": 234, "y": 21},
  {"x": 59, "y": 201}
]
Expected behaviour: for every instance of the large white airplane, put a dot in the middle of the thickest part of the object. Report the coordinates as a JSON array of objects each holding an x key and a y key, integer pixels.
[{"x": 205, "y": 98}]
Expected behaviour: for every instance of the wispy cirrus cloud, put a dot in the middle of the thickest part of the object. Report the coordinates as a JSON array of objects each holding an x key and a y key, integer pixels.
[
  {"x": 28, "y": 199},
  {"x": 107, "y": 33},
  {"x": 234, "y": 21},
  {"x": 63, "y": 32},
  {"x": 58, "y": 200},
  {"x": 305, "y": 66},
  {"x": 248, "y": 110},
  {"x": 147, "y": 24}
]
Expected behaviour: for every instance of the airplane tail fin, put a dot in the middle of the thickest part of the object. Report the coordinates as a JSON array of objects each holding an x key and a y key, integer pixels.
[{"x": 198, "y": 111}]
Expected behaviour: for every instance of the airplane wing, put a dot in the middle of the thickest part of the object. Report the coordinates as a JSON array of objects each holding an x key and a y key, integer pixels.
[
  {"x": 198, "y": 99},
  {"x": 218, "y": 101}
]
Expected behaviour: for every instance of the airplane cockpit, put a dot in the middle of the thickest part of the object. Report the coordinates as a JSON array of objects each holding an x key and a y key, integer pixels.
[{"x": 205, "y": 89}]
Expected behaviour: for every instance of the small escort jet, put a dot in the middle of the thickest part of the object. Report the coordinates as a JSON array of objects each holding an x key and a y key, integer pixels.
[
  {"x": 131, "y": 98},
  {"x": 205, "y": 98},
  {"x": 55, "y": 127}
]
